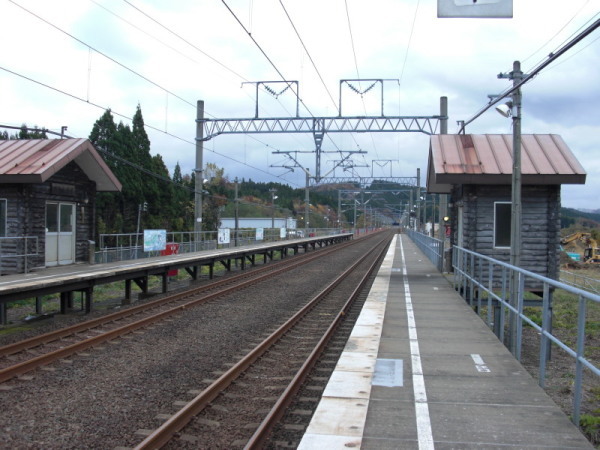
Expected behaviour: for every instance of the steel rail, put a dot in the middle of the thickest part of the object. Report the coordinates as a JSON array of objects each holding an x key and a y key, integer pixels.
[
  {"x": 260, "y": 436},
  {"x": 42, "y": 360},
  {"x": 162, "y": 435},
  {"x": 94, "y": 323}
]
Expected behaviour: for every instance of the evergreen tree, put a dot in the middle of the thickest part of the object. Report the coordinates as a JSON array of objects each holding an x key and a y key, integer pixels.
[
  {"x": 183, "y": 201},
  {"x": 24, "y": 133},
  {"x": 109, "y": 205}
]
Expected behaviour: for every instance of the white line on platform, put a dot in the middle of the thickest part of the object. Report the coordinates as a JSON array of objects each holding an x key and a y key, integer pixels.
[
  {"x": 424, "y": 432},
  {"x": 479, "y": 364}
]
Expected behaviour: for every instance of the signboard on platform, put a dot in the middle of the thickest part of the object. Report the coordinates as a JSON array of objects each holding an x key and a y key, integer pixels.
[
  {"x": 223, "y": 236},
  {"x": 282, "y": 233},
  {"x": 155, "y": 240},
  {"x": 260, "y": 232}
]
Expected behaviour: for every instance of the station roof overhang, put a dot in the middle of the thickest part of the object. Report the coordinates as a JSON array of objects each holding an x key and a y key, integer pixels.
[
  {"x": 487, "y": 159},
  {"x": 31, "y": 161}
]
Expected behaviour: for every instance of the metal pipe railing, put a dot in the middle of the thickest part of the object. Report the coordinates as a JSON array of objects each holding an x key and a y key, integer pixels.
[
  {"x": 432, "y": 248},
  {"x": 127, "y": 246},
  {"x": 24, "y": 247},
  {"x": 492, "y": 283}
]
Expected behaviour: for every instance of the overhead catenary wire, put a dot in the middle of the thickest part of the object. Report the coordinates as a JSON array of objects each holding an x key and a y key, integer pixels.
[
  {"x": 124, "y": 116},
  {"x": 357, "y": 71},
  {"x": 178, "y": 36},
  {"x": 308, "y": 54},
  {"x": 558, "y": 32},
  {"x": 264, "y": 54},
  {"x": 104, "y": 108},
  {"x": 195, "y": 47},
  {"x": 533, "y": 73},
  {"x": 103, "y": 54},
  {"x": 412, "y": 30}
]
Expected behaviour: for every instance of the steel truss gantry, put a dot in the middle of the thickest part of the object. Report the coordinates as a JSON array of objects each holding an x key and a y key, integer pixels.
[
  {"x": 319, "y": 125},
  {"x": 207, "y": 129},
  {"x": 365, "y": 182}
]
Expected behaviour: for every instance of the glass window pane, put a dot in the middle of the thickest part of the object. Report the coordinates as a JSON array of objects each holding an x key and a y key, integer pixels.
[
  {"x": 66, "y": 218},
  {"x": 502, "y": 225},
  {"x": 52, "y": 217}
]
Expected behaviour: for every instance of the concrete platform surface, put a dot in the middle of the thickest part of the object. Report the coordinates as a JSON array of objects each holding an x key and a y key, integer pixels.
[{"x": 423, "y": 371}]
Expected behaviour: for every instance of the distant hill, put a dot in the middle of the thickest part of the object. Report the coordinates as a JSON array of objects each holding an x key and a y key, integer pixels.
[{"x": 570, "y": 216}]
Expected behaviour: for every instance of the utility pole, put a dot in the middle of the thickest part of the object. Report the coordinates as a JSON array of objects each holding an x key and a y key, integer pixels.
[
  {"x": 443, "y": 210},
  {"x": 237, "y": 214},
  {"x": 273, "y": 197},
  {"x": 339, "y": 213},
  {"x": 418, "y": 199},
  {"x": 515, "y": 225},
  {"x": 198, "y": 171},
  {"x": 306, "y": 202}
]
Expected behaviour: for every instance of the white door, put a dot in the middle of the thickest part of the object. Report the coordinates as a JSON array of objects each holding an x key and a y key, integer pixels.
[{"x": 60, "y": 233}]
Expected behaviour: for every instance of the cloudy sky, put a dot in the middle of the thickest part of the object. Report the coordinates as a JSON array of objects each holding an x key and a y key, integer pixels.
[{"x": 64, "y": 62}]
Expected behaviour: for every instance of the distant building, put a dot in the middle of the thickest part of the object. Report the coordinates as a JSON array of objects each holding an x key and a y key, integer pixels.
[
  {"x": 259, "y": 222},
  {"x": 47, "y": 201},
  {"x": 476, "y": 170}
]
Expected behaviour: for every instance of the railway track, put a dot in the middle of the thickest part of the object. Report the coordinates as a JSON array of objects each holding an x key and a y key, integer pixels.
[
  {"x": 25, "y": 356},
  {"x": 240, "y": 408}
]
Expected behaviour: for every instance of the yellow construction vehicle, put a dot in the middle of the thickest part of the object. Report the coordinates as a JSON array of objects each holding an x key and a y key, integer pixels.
[
  {"x": 571, "y": 237},
  {"x": 592, "y": 253}
]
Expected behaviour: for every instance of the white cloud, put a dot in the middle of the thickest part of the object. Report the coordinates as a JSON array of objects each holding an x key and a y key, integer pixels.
[{"x": 457, "y": 58}]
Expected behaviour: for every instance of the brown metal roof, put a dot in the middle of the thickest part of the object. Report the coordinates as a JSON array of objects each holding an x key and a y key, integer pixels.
[
  {"x": 36, "y": 160},
  {"x": 487, "y": 159}
]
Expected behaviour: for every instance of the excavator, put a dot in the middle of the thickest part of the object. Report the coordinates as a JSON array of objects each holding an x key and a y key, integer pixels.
[{"x": 591, "y": 254}]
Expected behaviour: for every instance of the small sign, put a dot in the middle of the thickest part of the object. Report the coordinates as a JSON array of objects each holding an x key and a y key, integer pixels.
[
  {"x": 260, "y": 233},
  {"x": 282, "y": 233},
  {"x": 475, "y": 9},
  {"x": 388, "y": 373},
  {"x": 155, "y": 240},
  {"x": 223, "y": 236}
]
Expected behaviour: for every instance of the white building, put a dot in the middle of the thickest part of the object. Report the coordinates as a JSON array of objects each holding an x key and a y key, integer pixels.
[{"x": 259, "y": 222}]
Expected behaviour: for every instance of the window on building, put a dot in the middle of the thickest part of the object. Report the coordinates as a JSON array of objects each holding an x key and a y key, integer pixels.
[
  {"x": 502, "y": 212},
  {"x": 2, "y": 217},
  {"x": 52, "y": 217}
]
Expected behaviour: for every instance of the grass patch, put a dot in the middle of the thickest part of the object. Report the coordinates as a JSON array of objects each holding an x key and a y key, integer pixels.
[{"x": 590, "y": 425}]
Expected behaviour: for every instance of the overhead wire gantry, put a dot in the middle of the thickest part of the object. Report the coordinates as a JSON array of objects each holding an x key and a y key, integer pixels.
[{"x": 207, "y": 129}]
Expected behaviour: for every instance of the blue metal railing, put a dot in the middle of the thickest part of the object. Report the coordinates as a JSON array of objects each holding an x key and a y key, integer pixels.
[
  {"x": 485, "y": 281},
  {"x": 432, "y": 248}
]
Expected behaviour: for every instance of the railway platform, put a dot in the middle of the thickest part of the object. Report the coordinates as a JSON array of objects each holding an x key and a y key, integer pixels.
[
  {"x": 423, "y": 371},
  {"x": 69, "y": 279}
]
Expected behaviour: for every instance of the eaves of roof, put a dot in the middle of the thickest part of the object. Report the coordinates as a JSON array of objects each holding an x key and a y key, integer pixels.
[{"x": 36, "y": 160}]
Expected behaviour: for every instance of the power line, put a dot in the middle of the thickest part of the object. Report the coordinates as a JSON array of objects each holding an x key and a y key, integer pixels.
[
  {"x": 195, "y": 48},
  {"x": 130, "y": 70},
  {"x": 558, "y": 32},
  {"x": 534, "y": 72},
  {"x": 357, "y": 73},
  {"x": 185, "y": 40},
  {"x": 103, "y": 54},
  {"x": 264, "y": 54},
  {"x": 412, "y": 29},
  {"x": 131, "y": 119},
  {"x": 308, "y": 53}
]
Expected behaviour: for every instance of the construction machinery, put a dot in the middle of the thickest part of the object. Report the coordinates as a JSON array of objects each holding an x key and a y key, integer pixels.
[{"x": 591, "y": 253}]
